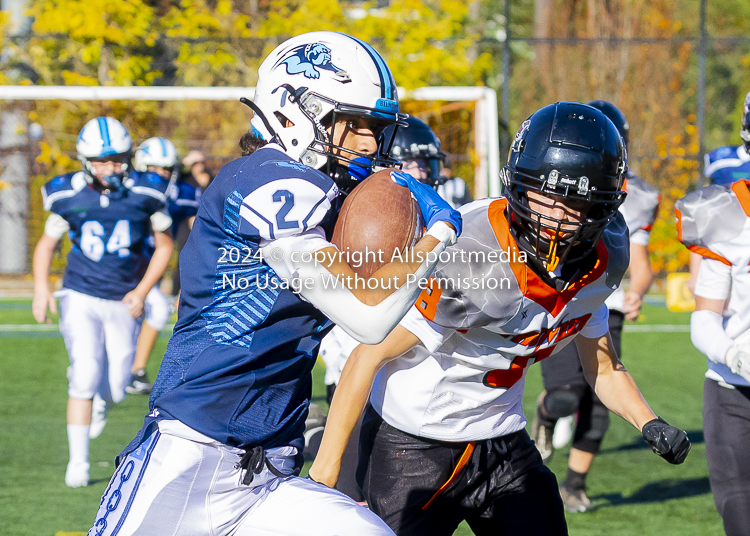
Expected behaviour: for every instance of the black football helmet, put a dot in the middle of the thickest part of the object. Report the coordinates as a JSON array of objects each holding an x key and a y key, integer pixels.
[
  {"x": 745, "y": 129},
  {"x": 614, "y": 114},
  {"x": 566, "y": 150},
  {"x": 417, "y": 141}
]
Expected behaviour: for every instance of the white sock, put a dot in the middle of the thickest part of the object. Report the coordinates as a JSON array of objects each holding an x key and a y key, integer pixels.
[{"x": 78, "y": 442}]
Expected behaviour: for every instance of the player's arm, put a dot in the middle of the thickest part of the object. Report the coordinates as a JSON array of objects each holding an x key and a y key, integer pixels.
[
  {"x": 369, "y": 314},
  {"x": 640, "y": 280},
  {"x": 618, "y": 391},
  {"x": 695, "y": 264},
  {"x": 43, "y": 297},
  {"x": 712, "y": 289},
  {"x": 54, "y": 229},
  {"x": 350, "y": 398},
  {"x": 134, "y": 299}
]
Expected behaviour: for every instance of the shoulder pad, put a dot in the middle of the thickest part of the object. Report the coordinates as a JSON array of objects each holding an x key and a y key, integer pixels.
[
  {"x": 728, "y": 151},
  {"x": 148, "y": 184},
  {"x": 708, "y": 216},
  {"x": 616, "y": 240},
  {"x": 641, "y": 204},
  {"x": 62, "y": 187},
  {"x": 149, "y": 180}
]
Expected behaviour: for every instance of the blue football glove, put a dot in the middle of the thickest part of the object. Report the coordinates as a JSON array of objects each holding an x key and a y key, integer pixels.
[{"x": 434, "y": 208}]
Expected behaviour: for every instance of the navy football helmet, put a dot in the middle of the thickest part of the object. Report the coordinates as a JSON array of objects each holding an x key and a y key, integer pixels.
[
  {"x": 615, "y": 115},
  {"x": 417, "y": 145},
  {"x": 571, "y": 151}
]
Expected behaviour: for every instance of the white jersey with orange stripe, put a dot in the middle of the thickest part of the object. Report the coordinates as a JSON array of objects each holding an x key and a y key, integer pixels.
[
  {"x": 483, "y": 320},
  {"x": 715, "y": 223}
]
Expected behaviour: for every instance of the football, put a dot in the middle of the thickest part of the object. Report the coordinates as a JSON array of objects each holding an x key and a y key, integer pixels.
[{"x": 377, "y": 219}]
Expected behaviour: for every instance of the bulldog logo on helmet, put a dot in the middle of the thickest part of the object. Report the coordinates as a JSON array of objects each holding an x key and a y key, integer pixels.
[{"x": 307, "y": 59}]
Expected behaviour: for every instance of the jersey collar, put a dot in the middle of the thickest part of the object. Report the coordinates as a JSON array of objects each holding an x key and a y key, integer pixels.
[{"x": 532, "y": 286}]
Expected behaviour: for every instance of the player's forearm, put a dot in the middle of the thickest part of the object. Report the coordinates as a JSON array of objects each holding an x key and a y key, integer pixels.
[
  {"x": 612, "y": 383},
  {"x": 157, "y": 265},
  {"x": 640, "y": 269},
  {"x": 348, "y": 403},
  {"x": 42, "y": 260}
]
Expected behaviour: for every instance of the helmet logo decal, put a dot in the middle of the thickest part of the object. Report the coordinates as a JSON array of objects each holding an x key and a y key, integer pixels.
[
  {"x": 308, "y": 59},
  {"x": 517, "y": 141}
]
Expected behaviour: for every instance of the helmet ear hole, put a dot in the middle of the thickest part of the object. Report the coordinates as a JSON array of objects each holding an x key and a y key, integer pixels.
[{"x": 284, "y": 120}]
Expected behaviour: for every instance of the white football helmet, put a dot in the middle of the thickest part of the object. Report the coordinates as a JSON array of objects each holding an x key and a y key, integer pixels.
[
  {"x": 102, "y": 137},
  {"x": 311, "y": 78},
  {"x": 158, "y": 152}
]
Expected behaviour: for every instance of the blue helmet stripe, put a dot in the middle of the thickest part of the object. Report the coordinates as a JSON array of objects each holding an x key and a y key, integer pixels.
[
  {"x": 163, "y": 147},
  {"x": 387, "y": 84},
  {"x": 107, "y": 148}
]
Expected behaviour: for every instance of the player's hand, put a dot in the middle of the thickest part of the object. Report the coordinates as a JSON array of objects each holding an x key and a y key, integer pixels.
[
  {"x": 433, "y": 207},
  {"x": 43, "y": 299},
  {"x": 667, "y": 441},
  {"x": 632, "y": 306},
  {"x": 134, "y": 302},
  {"x": 738, "y": 359},
  {"x": 328, "y": 476}
]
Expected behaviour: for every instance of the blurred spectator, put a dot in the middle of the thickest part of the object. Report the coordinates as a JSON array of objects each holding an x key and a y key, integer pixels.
[{"x": 194, "y": 170}]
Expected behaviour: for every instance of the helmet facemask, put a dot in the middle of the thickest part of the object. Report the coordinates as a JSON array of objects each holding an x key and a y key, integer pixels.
[
  {"x": 111, "y": 181},
  {"x": 555, "y": 241}
]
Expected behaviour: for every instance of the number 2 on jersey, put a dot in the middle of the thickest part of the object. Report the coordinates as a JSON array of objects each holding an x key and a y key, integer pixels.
[
  {"x": 92, "y": 239},
  {"x": 288, "y": 198}
]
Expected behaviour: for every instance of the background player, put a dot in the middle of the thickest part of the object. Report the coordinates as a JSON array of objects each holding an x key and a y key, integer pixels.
[
  {"x": 108, "y": 211},
  {"x": 724, "y": 166},
  {"x": 217, "y": 452},
  {"x": 714, "y": 222},
  {"x": 444, "y": 437},
  {"x": 159, "y": 155},
  {"x": 566, "y": 390}
]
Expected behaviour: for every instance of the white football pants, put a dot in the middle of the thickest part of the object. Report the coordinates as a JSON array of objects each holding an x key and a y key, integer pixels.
[
  {"x": 182, "y": 483},
  {"x": 156, "y": 309},
  {"x": 100, "y": 336}
]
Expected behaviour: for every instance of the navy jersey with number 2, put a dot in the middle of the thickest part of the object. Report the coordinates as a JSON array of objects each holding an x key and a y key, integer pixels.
[{"x": 238, "y": 366}]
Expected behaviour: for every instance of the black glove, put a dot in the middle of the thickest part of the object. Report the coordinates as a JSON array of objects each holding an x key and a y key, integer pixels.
[{"x": 669, "y": 442}]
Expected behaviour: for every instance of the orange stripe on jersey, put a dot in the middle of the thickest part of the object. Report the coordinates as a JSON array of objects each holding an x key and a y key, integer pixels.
[
  {"x": 703, "y": 252},
  {"x": 532, "y": 286},
  {"x": 459, "y": 467},
  {"x": 742, "y": 190}
]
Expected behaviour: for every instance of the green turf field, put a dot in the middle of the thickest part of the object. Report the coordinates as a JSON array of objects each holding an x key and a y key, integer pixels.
[{"x": 637, "y": 492}]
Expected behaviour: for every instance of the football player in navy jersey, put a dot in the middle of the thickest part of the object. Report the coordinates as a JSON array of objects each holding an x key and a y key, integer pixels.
[
  {"x": 159, "y": 155},
  {"x": 108, "y": 211},
  {"x": 218, "y": 451}
]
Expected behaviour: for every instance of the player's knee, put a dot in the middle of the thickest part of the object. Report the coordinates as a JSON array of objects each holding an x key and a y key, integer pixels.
[
  {"x": 560, "y": 403},
  {"x": 599, "y": 423}
]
